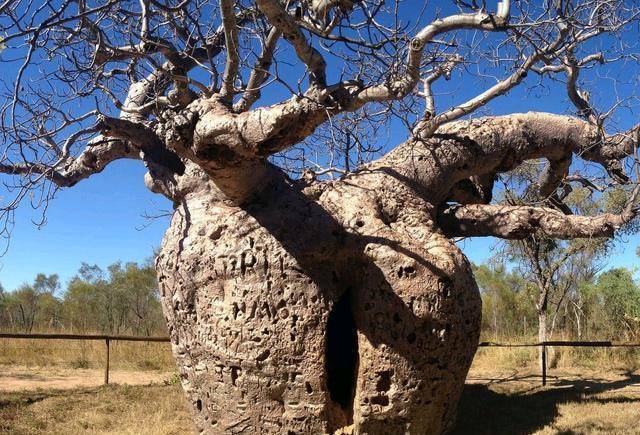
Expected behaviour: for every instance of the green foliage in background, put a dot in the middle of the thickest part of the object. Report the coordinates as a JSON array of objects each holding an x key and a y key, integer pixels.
[
  {"x": 604, "y": 307},
  {"x": 122, "y": 299}
]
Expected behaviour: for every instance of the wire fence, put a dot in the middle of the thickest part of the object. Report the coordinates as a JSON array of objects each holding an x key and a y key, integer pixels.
[
  {"x": 107, "y": 339},
  {"x": 545, "y": 344}
]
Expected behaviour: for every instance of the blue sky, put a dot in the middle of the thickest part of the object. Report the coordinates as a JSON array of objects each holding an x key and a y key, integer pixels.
[{"x": 101, "y": 220}]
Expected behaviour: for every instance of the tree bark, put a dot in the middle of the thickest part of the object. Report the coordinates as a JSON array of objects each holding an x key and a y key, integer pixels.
[
  {"x": 542, "y": 327},
  {"x": 305, "y": 306},
  {"x": 315, "y": 307}
]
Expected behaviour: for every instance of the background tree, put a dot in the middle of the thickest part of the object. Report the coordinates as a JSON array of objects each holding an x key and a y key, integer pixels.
[
  {"x": 507, "y": 307},
  {"x": 619, "y": 298},
  {"x": 313, "y": 303},
  {"x": 557, "y": 268},
  {"x": 124, "y": 301},
  {"x": 30, "y": 304}
]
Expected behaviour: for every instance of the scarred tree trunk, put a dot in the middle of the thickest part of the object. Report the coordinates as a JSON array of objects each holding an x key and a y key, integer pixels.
[
  {"x": 307, "y": 306},
  {"x": 314, "y": 307}
]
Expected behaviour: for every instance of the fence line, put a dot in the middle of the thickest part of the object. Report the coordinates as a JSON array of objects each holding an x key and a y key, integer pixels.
[
  {"x": 545, "y": 344},
  {"x": 83, "y": 337},
  {"x": 561, "y": 343},
  {"x": 108, "y": 338}
]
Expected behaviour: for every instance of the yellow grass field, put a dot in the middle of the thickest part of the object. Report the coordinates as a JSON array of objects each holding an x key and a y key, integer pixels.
[
  {"x": 86, "y": 354},
  {"x": 54, "y": 388},
  {"x": 574, "y": 402}
]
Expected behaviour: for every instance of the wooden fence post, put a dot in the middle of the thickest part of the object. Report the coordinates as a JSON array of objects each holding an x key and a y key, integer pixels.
[
  {"x": 106, "y": 366},
  {"x": 544, "y": 365}
]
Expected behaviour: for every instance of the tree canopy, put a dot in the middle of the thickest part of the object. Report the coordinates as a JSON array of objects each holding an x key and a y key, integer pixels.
[{"x": 222, "y": 85}]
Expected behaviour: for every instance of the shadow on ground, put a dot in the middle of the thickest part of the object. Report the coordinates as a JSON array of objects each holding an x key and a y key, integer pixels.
[{"x": 486, "y": 409}]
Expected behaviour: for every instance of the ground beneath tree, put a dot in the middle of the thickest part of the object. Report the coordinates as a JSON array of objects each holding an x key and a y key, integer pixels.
[
  {"x": 576, "y": 401},
  {"x": 17, "y": 378}
]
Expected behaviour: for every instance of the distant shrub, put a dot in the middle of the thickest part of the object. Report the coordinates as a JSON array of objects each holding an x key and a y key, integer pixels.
[
  {"x": 149, "y": 364},
  {"x": 80, "y": 363}
]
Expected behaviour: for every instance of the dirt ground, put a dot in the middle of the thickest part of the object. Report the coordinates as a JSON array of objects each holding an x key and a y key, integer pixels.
[
  {"x": 18, "y": 378},
  {"x": 575, "y": 401}
]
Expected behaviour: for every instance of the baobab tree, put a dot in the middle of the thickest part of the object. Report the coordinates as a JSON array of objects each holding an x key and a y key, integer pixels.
[{"x": 306, "y": 304}]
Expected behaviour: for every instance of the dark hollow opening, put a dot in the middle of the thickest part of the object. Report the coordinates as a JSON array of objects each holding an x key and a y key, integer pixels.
[{"x": 342, "y": 353}]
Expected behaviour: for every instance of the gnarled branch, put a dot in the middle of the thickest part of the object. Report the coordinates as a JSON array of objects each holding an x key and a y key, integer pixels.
[{"x": 519, "y": 222}]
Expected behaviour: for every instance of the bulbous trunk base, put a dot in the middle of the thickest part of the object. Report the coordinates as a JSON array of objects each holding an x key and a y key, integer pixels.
[{"x": 285, "y": 319}]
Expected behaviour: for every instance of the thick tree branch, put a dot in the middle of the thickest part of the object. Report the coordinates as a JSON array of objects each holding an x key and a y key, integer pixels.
[
  {"x": 142, "y": 138},
  {"x": 478, "y": 148},
  {"x": 69, "y": 171},
  {"x": 518, "y": 222}
]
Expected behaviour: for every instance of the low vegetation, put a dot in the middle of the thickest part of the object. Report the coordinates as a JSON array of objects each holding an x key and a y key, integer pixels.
[
  {"x": 86, "y": 354},
  {"x": 119, "y": 409},
  {"x": 493, "y": 402},
  {"x": 604, "y": 306},
  {"x": 121, "y": 300}
]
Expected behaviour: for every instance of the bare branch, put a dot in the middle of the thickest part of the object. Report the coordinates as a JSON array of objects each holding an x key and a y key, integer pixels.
[
  {"x": 292, "y": 33},
  {"x": 259, "y": 73},
  {"x": 400, "y": 87},
  {"x": 233, "y": 58},
  {"x": 443, "y": 70},
  {"x": 519, "y": 222}
]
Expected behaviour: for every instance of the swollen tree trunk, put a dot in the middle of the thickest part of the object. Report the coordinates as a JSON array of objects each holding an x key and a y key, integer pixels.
[
  {"x": 314, "y": 307},
  {"x": 303, "y": 306}
]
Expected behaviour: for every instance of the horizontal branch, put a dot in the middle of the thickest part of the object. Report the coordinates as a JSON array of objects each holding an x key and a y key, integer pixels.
[
  {"x": 518, "y": 222},
  {"x": 69, "y": 171},
  {"x": 142, "y": 138},
  {"x": 501, "y": 143}
]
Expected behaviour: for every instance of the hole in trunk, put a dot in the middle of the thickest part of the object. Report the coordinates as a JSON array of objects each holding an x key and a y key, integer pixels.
[{"x": 342, "y": 353}]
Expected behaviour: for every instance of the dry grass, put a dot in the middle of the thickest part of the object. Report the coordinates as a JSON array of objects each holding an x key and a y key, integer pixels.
[
  {"x": 601, "y": 415},
  {"x": 503, "y": 394},
  {"x": 579, "y": 401},
  {"x": 517, "y": 358},
  {"x": 154, "y": 409},
  {"x": 79, "y": 354},
  {"x": 497, "y": 402}
]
